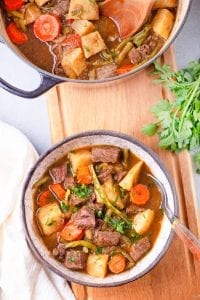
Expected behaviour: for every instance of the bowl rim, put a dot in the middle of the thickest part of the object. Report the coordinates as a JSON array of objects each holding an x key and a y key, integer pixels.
[{"x": 130, "y": 139}]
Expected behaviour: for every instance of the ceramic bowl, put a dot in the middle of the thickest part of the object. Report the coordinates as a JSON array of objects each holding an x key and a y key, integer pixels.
[{"x": 97, "y": 138}]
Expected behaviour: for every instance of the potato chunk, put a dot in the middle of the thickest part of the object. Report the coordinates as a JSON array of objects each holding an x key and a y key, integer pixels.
[
  {"x": 50, "y": 218},
  {"x": 97, "y": 265},
  {"x": 143, "y": 220},
  {"x": 92, "y": 44},
  {"x": 163, "y": 22},
  {"x": 41, "y": 2},
  {"x": 73, "y": 62},
  {"x": 131, "y": 177},
  {"x": 32, "y": 12},
  {"x": 79, "y": 158},
  {"x": 83, "y": 10},
  {"x": 165, "y": 4},
  {"x": 83, "y": 27}
]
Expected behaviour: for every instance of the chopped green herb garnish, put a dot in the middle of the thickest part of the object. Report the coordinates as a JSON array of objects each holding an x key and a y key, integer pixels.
[
  {"x": 118, "y": 224},
  {"x": 64, "y": 206},
  {"x": 98, "y": 250},
  {"x": 81, "y": 191},
  {"x": 134, "y": 236},
  {"x": 100, "y": 213},
  {"x": 77, "y": 12},
  {"x": 86, "y": 49},
  {"x": 50, "y": 222},
  {"x": 72, "y": 259},
  {"x": 123, "y": 192}
]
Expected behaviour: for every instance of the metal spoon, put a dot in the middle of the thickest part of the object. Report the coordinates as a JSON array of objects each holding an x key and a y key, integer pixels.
[{"x": 187, "y": 237}]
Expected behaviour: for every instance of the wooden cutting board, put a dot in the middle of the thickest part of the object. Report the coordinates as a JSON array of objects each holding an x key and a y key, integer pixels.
[{"x": 124, "y": 106}]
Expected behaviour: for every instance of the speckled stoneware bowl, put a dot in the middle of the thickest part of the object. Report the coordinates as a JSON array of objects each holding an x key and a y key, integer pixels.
[{"x": 97, "y": 138}]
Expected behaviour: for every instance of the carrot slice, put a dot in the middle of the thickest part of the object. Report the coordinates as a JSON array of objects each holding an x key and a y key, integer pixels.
[
  {"x": 16, "y": 35},
  {"x": 83, "y": 175},
  {"x": 124, "y": 69},
  {"x": 47, "y": 27},
  {"x": 57, "y": 190},
  {"x": 139, "y": 194},
  {"x": 13, "y": 4},
  {"x": 44, "y": 198},
  {"x": 71, "y": 232},
  {"x": 117, "y": 263},
  {"x": 73, "y": 41}
]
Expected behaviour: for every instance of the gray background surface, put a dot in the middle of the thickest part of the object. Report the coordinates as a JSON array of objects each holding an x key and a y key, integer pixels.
[{"x": 30, "y": 116}]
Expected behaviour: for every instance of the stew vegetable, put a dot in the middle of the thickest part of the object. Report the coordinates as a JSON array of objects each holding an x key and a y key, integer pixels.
[
  {"x": 88, "y": 39},
  {"x": 97, "y": 210}
]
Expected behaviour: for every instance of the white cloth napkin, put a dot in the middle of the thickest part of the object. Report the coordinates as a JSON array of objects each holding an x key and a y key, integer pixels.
[{"x": 21, "y": 276}]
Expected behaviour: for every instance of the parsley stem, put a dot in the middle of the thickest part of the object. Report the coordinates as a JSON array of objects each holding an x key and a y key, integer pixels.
[{"x": 190, "y": 99}]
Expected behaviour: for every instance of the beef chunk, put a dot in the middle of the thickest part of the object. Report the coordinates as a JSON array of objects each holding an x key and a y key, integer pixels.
[
  {"x": 93, "y": 204},
  {"x": 108, "y": 250},
  {"x": 75, "y": 260},
  {"x": 58, "y": 173},
  {"x": 138, "y": 249},
  {"x": 104, "y": 173},
  {"x": 59, "y": 252},
  {"x": 137, "y": 55},
  {"x": 84, "y": 218},
  {"x": 74, "y": 200},
  {"x": 69, "y": 182},
  {"x": 61, "y": 8},
  {"x": 106, "y": 154},
  {"x": 107, "y": 238},
  {"x": 106, "y": 71},
  {"x": 119, "y": 175},
  {"x": 134, "y": 209}
]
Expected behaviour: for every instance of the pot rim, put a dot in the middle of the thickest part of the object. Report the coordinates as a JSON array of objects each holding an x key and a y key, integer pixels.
[
  {"x": 109, "y": 79},
  {"x": 130, "y": 139}
]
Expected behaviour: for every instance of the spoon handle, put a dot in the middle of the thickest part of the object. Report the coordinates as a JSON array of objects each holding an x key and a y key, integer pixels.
[{"x": 191, "y": 242}]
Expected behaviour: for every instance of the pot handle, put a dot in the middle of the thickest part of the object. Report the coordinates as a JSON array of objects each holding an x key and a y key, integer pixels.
[{"x": 46, "y": 83}]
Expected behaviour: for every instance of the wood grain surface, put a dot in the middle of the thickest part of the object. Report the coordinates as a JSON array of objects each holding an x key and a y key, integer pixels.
[{"x": 124, "y": 106}]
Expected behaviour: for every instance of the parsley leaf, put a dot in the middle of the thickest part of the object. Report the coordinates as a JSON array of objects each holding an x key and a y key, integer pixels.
[
  {"x": 118, "y": 224},
  {"x": 81, "y": 191},
  {"x": 178, "y": 122}
]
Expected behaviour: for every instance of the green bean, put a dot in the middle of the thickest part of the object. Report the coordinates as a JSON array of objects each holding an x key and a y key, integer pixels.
[
  {"x": 121, "y": 56},
  {"x": 139, "y": 37},
  {"x": 101, "y": 195},
  {"x": 125, "y": 158},
  {"x": 40, "y": 182},
  {"x": 80, "y": 243}
]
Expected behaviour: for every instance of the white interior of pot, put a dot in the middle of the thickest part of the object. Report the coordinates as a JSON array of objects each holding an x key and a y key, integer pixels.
[{"x": 162, "y": 240}]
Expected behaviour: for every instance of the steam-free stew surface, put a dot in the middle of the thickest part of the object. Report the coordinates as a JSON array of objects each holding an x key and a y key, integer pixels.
[
  {"x": 83, "y": 39},
  {"x": 97, "y": 210}
]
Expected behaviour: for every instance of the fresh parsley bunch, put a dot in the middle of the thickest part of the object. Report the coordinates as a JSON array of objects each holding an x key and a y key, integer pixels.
[{"x": 178, "y": 122}]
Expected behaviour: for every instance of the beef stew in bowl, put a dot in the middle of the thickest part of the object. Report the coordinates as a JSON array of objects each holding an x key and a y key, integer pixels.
[
  {"x": 90, "y": 212},
  {"x": 97, "y": 211},
  {"x": 89, "y": 40}
]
